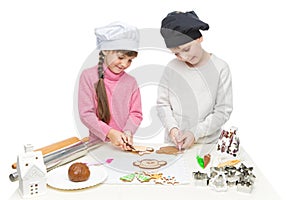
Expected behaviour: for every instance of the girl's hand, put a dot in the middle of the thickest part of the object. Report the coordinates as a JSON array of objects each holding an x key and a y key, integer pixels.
[
  {"x": 129, "y": 139},
  {"x": 117, "y": 138}
]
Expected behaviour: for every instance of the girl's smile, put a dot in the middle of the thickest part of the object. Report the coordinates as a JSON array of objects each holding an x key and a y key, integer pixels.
[{"x": 117, "y": 62}]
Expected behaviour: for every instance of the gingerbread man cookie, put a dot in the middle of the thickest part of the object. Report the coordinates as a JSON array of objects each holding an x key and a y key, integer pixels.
[
  {"x": 149, "y": 163},
  {"x": 141, "y": 150}
]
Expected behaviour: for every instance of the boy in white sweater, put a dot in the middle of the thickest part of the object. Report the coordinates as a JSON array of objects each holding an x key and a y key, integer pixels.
[{"x": 195, "y": 92}]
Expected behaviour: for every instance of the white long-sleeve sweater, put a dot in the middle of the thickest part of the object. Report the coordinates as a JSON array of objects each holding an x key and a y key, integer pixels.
[{"x": 196, "y": 99}]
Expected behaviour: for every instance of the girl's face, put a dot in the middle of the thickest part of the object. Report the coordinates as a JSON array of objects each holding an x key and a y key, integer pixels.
[
  {"x": 191, "y": 52},
  {"x": 117, "y": 62}
]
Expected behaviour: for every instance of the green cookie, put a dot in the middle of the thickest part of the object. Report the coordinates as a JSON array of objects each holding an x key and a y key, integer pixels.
[{"x": 128, "y": 178}]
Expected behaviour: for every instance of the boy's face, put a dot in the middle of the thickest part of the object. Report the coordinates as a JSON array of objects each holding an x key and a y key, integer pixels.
[
  {"x": 117, "y": 62},
  {"x": 190, "y": 52}
]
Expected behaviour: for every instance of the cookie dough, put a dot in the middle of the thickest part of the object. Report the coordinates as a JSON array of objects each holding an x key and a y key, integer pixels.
[{"x": 78, "y": 172}]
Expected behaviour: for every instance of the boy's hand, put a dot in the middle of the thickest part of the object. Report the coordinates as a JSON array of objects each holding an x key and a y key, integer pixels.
[
  {"x": 175, "y": 135},
  {"x": 187, "y": 139}
]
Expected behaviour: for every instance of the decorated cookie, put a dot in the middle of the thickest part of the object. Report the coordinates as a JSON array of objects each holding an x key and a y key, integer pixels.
[
  {"x": 149, "y": 163},
  {"x": 171, "y": 180},
  {"x": 128, "y": 178},
  {"x": 156, "y": 176},
  {"x": 141, "y": 150},
  {"x": 168, "y": 150},
  {"x": 159, "y": 181},
  {"x": 166, "y": 180},
  {"x": 143, "y": 177}
]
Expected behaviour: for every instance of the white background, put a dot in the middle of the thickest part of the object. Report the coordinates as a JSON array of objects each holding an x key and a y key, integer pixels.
[{"x": 43, "y": 45}]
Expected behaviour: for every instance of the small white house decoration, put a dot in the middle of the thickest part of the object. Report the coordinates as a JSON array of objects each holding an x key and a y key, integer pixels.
[{"x": 32, "y": 173}]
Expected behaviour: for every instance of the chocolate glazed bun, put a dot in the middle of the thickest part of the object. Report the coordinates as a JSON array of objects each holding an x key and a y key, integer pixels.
[{"x": 78, "y": 172}]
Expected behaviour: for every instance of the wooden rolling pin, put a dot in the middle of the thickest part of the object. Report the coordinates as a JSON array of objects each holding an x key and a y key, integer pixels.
[{"x": 56, "y": 146}]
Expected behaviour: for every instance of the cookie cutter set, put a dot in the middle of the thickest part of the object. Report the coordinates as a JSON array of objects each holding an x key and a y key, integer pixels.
[
  {"x": 220, "y": 178},
  {"x": 226, "y": 175}
]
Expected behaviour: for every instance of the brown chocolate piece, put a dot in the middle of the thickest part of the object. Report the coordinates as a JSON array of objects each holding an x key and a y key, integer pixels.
[{"x": 78, "y": 172}]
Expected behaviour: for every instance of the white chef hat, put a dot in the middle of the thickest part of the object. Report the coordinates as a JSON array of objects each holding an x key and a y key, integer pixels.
[{"x": 117, "y": 36}]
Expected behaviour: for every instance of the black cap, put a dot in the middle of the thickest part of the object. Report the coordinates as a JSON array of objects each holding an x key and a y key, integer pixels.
[{"x": 178, "y": 28}]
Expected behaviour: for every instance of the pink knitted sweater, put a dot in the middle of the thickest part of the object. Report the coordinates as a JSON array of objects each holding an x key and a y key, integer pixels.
[{"x": 123, "y": 97}]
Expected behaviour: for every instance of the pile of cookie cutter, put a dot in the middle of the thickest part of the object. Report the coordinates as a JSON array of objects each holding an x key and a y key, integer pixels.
[{"x": 221, "y": 178}]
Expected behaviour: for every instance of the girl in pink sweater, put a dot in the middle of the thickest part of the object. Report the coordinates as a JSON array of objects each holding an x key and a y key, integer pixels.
[{"x": 109, "y": 99}]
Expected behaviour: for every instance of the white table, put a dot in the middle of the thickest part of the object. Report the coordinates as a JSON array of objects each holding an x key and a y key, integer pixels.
[{"x": 262, "y": 188}]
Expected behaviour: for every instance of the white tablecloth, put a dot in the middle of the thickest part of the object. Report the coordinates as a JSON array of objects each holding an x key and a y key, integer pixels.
[{"x": 180, "y": 166}]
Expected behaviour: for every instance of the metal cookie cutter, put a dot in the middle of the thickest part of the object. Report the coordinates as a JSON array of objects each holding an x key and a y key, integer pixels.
[
  {"x": 201, "y": 179},
  {"x": 246, "y": 179},
  {"x": 230, "y": 172},
  {"x": 244, "y": 186},
  {"x": 214, "y": 171},
  {"x": 219, "y": 183}
]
